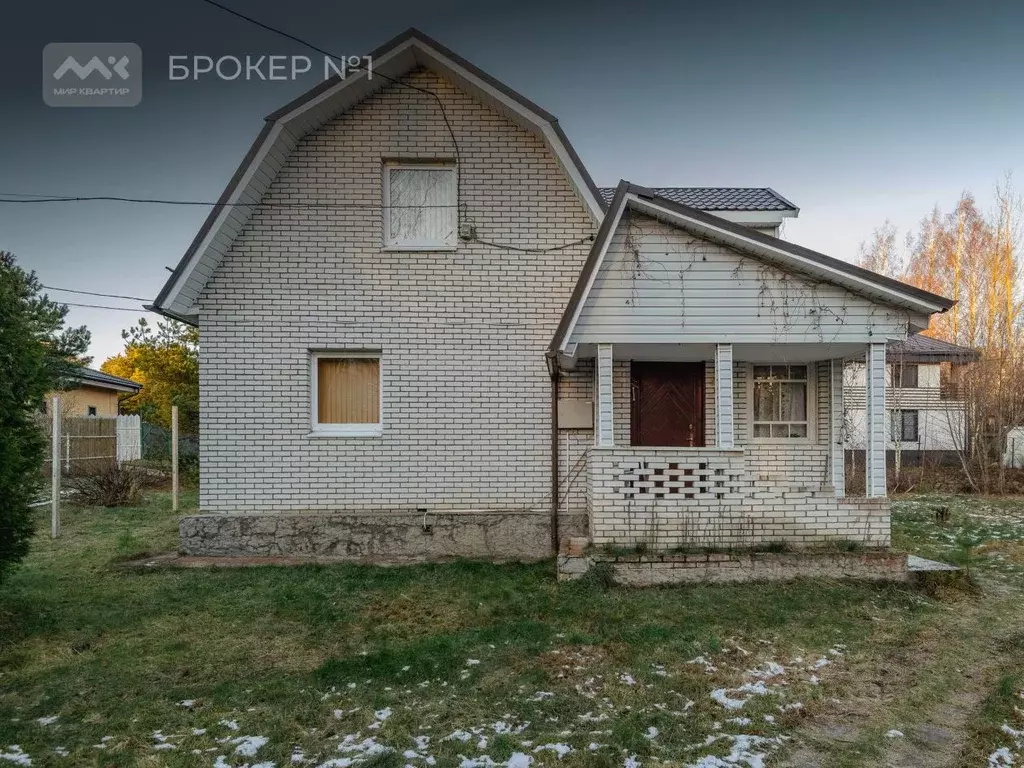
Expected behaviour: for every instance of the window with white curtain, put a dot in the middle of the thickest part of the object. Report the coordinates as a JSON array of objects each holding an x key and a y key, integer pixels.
[
  {"x": 420, "y": 206},
  {"x": 780, "y": 402}
]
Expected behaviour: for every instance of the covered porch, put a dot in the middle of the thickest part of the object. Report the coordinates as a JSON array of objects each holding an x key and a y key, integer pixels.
[
  {"x": 727, "y": 445},
  {"x": 710, "y": 358}
]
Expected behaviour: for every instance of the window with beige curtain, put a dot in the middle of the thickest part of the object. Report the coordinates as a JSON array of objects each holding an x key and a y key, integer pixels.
[{"x": 347, "y": 392}]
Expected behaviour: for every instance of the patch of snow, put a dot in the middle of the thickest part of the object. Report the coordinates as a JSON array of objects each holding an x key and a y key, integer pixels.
[
  {"x": 708, "y": 666},
  {"x": 231, "y": 725},
  {"x": 297, "y": 756},
  {"x": 652, "y": 733},
  {"x": 892, "y": 733},
  {"x": 822, "y": 662},
  {"x": 742, "y": 720},
  {"x": 472, "y": 662},
  {"x": 541, "y": 695},
  {"x": 14, "y": 754},
  {"x": 49, "y": 720},
  {"x": 594, "y": 746},
  {"x": 1001, "y": 757},
  {"x": 61, "y": 751},
  {"x": 198, "y": 731},
  {"x": 632, "y": 762},
  {"x": 627, "y": 678},
  {"x": 421, "y": 741},
  {"x": 187, "y": 703},
  {"x": 164, "y": 745},
  {"x": 459, "y": 735},
  {"x": 248, "y": 746},
  {"x": 519, "y": 760},
  {"x": 560, "y": 749},
  {"x": 767, "y": 670}
]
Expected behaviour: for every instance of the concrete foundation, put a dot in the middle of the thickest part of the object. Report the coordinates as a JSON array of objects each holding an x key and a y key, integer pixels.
[
  {"x": 729, "y": 567},
  {"x": 383, "y": 536}
]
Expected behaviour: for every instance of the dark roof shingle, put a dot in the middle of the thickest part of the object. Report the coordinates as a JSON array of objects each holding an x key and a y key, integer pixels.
[
  {"x": 925, "y": 349},
  {"x": 719, "y": 198},
  {"x": 99, "y": 377}
]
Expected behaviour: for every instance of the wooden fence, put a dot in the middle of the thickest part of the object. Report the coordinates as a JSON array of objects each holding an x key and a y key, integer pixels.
[{"x": 88, "y": 444}]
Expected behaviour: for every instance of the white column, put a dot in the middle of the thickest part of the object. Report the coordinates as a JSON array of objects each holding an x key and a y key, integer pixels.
[
  {"x": 725, "y": 434},
  {"x": 875, "y": 426},
  {"x": 837, "y": 450},
  {"x": 605, "y": 423}
]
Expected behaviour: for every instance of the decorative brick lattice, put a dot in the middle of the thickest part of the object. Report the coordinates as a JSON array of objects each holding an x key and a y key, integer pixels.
[{"x": 689, "y": 477}]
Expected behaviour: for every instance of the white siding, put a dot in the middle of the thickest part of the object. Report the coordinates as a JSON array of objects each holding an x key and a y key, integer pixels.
[
  {"x": 659, "y": 284},
  {"x": 837, "y": 455},
  {"x": 724, "y": 412},
  {"x": 605, "y": 420},
  {"x": 876, "y": 417}
]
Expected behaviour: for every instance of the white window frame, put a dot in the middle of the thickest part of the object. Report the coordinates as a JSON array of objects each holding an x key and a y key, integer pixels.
[
  {"x": 392, "y": 245},
  {"x": 345, "y": 430},
  {"x": 812, "y": 408}
]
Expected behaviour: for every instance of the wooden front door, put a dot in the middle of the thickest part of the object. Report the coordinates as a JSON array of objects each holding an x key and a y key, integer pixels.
[{"x": 667, "y": 404}]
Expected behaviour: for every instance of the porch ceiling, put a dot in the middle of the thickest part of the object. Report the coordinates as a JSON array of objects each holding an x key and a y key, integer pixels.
[{"x": 750, "y": 353}]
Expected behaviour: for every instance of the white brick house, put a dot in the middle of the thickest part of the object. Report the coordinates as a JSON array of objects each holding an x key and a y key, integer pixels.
[{"x": 426, "y": 332}]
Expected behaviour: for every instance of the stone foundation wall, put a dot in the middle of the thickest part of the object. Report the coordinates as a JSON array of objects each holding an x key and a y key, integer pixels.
[
  {"x": 385, "y": 536},
  {"x": 652, "y": 570}
]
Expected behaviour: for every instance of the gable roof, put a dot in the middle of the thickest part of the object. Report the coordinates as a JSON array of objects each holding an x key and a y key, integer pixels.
[
  {"x": 95, "y": 378},
  {"x": 720, "y": 198},
  {"x": 707, "y": 226},
  {"x": 925, "y": 349},
  {"x": 285, "y": 127}
]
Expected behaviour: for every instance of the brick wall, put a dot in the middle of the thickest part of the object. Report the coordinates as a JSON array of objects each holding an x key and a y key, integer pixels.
[
  {"x": 466, "y": 394},
  {"x": 716, "y": 498}
]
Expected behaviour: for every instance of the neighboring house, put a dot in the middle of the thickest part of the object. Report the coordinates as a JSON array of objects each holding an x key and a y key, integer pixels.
[
  {"x": 94, "y": 394},
  {"x": 927, "y": 414},
  {"x": 414, "y": 347}
]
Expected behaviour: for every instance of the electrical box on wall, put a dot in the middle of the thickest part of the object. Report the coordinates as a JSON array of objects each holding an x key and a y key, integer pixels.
[{"x": 575, "y": 414}]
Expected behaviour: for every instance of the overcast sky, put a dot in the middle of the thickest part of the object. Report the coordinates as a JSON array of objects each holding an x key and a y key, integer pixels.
[{"x": 855, "y": 111}]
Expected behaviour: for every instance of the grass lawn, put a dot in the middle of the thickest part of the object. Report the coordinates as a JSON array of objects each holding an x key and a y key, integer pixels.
[{"x": 472, "y": 664}]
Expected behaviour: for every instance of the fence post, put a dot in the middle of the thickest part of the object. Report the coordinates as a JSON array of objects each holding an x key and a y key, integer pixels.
[
  {"x": 55, "y": 468},
  {"x": 174, "y": 458}
]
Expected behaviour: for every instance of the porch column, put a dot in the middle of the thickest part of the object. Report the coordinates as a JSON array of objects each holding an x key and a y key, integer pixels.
[
  {"x": 837, "y": 451},
  {"x": 875, "y": 419},
  {"x": 605, "y": 422},
  {"x": 724, "y": 432}
]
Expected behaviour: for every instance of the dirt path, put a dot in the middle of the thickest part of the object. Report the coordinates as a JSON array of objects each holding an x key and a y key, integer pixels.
[{"x": 925, "y": 680}]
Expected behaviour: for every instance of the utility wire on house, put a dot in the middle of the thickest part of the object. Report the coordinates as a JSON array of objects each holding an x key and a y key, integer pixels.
[
  {"x": 365, "y": 206},
  {"x": 9, "y": 197},
  {"x": 28, "y": 198},
  {"x": 318, "y": 49}
]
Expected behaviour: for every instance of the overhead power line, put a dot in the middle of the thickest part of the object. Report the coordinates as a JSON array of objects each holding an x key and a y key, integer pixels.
[
  {"x": 92, "y": 293},
  {"x": 8, "y": 197},
  {"x": 318, "y": 49},
  {"x": 101, "y": 306}
]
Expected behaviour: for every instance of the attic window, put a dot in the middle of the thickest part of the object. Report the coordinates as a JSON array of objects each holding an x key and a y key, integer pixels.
[{"x": 420, "y": 206}]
